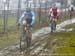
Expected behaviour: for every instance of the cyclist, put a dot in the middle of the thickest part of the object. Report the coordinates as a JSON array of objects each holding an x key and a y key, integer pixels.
[
  {"x": 54, "y": 13},
  {"x": 71, "y": 11},
  {"x": 27, "y": 17}
]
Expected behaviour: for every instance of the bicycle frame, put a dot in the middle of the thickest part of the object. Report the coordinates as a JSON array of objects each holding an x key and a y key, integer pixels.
[{"x": 26, "y": 37}]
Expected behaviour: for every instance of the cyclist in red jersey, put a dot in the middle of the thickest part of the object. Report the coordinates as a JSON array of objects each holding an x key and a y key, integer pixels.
[{"x": 54, "y": 13}]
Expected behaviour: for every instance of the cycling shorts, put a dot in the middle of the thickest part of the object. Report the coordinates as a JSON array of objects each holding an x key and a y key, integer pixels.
[{"x": 29, "y": 21}]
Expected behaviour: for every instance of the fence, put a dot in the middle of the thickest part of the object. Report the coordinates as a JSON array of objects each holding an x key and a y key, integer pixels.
[{"x": 11, "y": 10}]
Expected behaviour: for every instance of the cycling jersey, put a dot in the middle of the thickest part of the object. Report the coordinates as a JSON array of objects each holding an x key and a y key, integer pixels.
[
  {"x": 54, "y": 12},
  {"x": 31, "y": 21}
]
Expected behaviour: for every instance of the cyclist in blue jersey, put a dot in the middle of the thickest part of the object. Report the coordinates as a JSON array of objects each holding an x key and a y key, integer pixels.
[
  {"x": 27, "y": 18},
  {"x": 29, "y": 15}
]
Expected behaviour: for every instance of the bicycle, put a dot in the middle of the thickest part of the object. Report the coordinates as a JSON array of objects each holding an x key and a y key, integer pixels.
[
  {"x": 25, "y": 37},
  {"x": 53, "y": 24}
]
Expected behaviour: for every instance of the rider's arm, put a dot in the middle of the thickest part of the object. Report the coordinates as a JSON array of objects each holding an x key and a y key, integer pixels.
[
  {"x": 51, "y": 12},
  {"x": 33, "y": 18},
  {"x": 21, "y": 18},
  {"x": 58, "y": 12}
]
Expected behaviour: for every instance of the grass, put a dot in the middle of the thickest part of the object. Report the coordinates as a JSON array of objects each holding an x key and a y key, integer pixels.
[
  {"x": 66, "y": 51},
  {"x": 11, "y": 22},
  {"x": 8, "y": 39},
  {"x": 68, "y": 43}
]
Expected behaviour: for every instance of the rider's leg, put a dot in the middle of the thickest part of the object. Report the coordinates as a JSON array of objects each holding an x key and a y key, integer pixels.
[
  {"x": 55, "y": 20},
  {"x": 51, "y": 24},
  {"x": 29, "y": 37},
  {"x": 30, "y": 33}
]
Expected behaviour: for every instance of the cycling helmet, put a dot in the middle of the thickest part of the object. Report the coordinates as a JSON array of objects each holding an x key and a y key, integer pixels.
[
  {"x": 53, "y": 5},
  {"x": 28, "y": 10}
]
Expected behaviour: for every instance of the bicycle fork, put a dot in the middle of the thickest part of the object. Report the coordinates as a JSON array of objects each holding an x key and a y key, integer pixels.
[{"x": 28, "y": 40}]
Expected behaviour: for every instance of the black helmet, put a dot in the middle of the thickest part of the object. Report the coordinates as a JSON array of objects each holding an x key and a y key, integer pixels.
[{"x": 28, "y": 10}]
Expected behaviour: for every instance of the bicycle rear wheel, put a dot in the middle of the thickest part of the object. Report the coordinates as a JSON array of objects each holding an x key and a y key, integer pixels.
[{"x": 53, "y": 26}]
